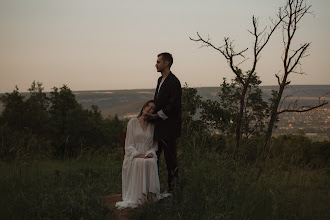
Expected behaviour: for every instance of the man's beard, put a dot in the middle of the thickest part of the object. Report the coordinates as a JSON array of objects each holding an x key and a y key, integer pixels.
[{"x": 160, "y": 70}]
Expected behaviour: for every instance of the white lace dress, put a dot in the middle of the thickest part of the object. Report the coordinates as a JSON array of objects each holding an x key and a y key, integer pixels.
[{"x": 139, "y": 175}]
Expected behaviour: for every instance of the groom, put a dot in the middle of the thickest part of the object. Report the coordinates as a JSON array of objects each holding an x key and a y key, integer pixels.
[{"x": 168, "y": 115}]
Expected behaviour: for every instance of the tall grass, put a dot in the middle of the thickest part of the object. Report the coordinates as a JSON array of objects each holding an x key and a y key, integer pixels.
[
  {"x": 213, "y": 185},
  {"x": 58, "y": 189}
]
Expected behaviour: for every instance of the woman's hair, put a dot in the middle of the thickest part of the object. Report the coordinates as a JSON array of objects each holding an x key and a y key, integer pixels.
[{"x": 145, "y": 105}]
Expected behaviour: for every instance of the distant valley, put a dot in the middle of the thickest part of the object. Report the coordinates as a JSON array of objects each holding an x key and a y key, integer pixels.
[{"x": 126, "y": 103}]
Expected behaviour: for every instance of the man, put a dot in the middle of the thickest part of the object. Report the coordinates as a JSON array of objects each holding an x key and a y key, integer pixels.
[{"x": 168, "y": 115}]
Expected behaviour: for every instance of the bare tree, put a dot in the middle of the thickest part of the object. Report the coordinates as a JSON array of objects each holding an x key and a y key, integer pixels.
[
  {"x": 261, "y": 38},
  {"x": 290, "y": 15}
]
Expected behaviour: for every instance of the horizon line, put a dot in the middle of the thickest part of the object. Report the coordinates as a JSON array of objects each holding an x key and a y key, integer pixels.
[{"x": 95, "y": 90}]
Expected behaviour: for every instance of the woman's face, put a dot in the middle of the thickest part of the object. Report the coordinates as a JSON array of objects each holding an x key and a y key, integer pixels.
[{"x": 150, "y": 108}]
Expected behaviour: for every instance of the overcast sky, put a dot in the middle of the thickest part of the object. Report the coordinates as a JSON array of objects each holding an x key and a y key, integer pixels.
[{"x": 113, "y": 44}]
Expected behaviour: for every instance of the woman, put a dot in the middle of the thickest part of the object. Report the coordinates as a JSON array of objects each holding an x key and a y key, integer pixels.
[{"x": 140, "y": 181}]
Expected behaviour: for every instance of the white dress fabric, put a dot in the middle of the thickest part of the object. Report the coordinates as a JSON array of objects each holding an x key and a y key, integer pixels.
[{"x": 139, "y": 175}]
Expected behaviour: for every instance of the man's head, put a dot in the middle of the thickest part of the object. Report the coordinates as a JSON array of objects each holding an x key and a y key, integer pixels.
[{"x": 165, "y": 60}]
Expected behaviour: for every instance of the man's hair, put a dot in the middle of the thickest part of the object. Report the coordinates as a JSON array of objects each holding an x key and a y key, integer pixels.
[{"x": 167, "y": 57}]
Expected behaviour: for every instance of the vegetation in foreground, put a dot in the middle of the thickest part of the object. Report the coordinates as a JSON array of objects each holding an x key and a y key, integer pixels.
[
  {"x": 65, "y": 170},
  {"x": 212, "y": 185},
  {"x": 59, "y": 189}
]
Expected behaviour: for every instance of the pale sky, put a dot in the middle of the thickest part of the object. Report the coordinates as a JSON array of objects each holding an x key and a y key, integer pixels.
[{"x": 113, "y": 44}]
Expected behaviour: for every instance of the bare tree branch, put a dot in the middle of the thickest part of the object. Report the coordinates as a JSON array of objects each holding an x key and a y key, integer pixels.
[
  {"x": 290, "y": 15},
  {"x": 302, "y": 50},
  {"x": 227, "y": 50},
  {"x": 303, "y": 108},
  {"x": 278, "y": 79}
]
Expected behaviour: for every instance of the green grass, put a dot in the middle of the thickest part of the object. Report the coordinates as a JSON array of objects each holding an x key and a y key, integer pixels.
[
  {"x": 58, "y": 189},
  {"x": 214, "y": 186},
  {"x": 223, "y": 189},
  {"x": 211, "y": 186}
]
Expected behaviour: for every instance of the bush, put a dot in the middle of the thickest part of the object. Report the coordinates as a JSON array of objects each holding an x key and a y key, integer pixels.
[
  {"x": 299, "y": 150},
  {"x": 56, "y": 125},
  {"x": 213, "y": 185}
]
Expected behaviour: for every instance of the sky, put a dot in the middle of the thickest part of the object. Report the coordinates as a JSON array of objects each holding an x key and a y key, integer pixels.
[{"x": 113, "y": 44}]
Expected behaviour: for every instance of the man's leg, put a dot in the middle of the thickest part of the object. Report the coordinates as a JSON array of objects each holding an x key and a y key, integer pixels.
[
  {"x": 159, "y": 152},
  {"x": 170, "y": 153}
]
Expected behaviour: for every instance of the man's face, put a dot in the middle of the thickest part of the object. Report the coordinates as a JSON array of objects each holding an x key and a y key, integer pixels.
[{"x": 160, "y": 64}]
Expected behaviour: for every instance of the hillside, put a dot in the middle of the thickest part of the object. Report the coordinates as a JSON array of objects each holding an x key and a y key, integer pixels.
[
  {"x": 121, "y": 102},
  {"x": 129, "y": 102}
]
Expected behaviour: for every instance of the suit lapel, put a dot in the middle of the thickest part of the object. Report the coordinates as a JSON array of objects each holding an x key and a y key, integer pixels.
[
  {"x": 163, "y": 87},
  {"x": 156, "y": 92}
]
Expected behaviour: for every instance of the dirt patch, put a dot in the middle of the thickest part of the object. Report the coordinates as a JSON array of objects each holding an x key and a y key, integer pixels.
[{"x": 122, "y": 214}]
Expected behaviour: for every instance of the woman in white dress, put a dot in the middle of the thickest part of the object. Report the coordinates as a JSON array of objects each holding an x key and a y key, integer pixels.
[{"x": 140, "y": 180}]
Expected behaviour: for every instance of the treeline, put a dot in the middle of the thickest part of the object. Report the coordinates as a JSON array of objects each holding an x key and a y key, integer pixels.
[
  {"x": 53, "y": 125},
  {"x": 224, "y": 186},
  {"x": 215, "y": 130},
  {"x": 56, "y": 125}
]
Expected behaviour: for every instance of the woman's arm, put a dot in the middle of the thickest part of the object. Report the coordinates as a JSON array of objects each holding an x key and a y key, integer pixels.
[
  {"x": 130, "y": 150},
  {"x": 152, "y": 152}
]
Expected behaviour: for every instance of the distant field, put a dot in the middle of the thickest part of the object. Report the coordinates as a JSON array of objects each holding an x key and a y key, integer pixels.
[
  {"x": 126, "y": 110},
  {"x": 121, "y": 102},
  {"x": 128, "y": 102}
]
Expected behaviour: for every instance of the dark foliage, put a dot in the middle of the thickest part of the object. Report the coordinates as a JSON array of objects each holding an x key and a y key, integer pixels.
[{"x": 56, "y": 125}]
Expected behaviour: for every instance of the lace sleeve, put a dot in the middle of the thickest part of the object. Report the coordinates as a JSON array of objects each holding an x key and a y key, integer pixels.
[
  {"x": 130, "y": 150},
  {"x": 153, "y": 149}
]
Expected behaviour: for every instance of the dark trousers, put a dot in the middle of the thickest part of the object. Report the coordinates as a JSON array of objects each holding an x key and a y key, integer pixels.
[{"x": 170, "y": 153}]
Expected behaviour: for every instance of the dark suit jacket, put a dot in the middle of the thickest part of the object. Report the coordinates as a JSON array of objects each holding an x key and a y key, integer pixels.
[{"x": 169, "y": 100}]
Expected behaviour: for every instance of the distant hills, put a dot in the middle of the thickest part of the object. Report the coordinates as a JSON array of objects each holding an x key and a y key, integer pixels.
[
  {"x": 126, "y": 103},
  {"x": 316, "y": 123}
]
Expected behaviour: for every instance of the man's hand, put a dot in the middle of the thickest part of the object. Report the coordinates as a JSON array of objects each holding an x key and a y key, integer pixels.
[
  {"x": 150, "y": 116},
  {"x": 149, "y": 155}
]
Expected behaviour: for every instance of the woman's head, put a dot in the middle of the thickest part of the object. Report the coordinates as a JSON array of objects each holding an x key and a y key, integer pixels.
[{"x": 149, "y": 107}]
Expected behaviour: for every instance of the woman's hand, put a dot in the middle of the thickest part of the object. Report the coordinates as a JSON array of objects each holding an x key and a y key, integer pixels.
[
  {"x": 140, "y": 156},
  {"x": 149, "y": 155}
]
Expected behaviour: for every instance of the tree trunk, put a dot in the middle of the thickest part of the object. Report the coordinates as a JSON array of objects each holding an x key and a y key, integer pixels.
[
  {"x": 240, "y": 118},
  {"x": 273, "y": 117}
]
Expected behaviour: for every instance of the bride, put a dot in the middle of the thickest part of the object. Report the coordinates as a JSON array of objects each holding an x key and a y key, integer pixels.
[{"x": 140, "y": 181}]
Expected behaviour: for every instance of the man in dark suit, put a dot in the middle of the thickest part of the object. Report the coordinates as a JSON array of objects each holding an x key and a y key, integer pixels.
[{"x": 168, "y": 115}]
